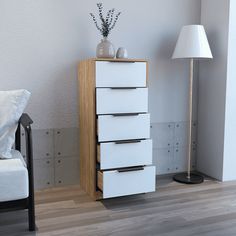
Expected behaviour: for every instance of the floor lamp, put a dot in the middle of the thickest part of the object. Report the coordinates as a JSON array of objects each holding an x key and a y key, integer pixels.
[{"x": 192, "y": 44}]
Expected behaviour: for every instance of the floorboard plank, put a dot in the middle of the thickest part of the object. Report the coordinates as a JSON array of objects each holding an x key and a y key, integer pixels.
[{"x": 208, "y": 209}]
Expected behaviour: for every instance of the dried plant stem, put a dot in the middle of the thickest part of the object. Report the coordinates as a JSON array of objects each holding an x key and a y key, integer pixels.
[{"x": 107, "y": 23}]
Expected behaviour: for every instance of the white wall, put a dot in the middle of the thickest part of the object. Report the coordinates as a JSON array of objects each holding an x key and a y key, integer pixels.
[
  {"x": 212, "y": 89},
  {"x": 229, "y": 172},
  {"x": 41, "y": 43}
]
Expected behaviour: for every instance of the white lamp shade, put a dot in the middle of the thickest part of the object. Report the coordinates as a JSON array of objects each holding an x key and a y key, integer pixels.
[{"x": 192, "y": 43}]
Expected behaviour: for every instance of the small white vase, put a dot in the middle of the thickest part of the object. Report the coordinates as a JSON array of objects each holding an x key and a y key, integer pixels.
[
  {"x": 122, "y": 53},
  {"x": 105, "y": 49}
]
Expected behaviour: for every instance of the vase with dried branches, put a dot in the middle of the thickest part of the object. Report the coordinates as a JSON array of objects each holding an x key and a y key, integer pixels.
[{"x": 105, "y": 48}]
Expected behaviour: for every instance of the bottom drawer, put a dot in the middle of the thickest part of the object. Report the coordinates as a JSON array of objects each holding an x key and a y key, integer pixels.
[{"x": 128, "y": 181}]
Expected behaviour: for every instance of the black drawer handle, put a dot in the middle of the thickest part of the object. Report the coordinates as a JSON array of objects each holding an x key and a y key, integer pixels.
[
  {"x": 127, "y": 141},
  {"x": 125, "y": 114},
  {"x": 130, "y": 169},
  {"x": 120, "y": 88}
]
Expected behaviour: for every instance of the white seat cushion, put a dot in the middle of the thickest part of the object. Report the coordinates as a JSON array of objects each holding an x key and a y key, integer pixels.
[{"x": 14, "y": 183}]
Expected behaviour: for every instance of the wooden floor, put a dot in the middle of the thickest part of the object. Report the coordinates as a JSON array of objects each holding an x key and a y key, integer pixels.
[{"x": 173, "y": 210}]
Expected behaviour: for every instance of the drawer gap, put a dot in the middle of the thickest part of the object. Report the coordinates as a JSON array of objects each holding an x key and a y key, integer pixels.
[
  {"x": 121, "y": 140},
  {"x": 122, "y": 169},
  {"x": 125, "y": 114},
  {"x": 118, "y": 88},
  {"x": 128, "y": 141},
  {"x": 129, "y": 169}
]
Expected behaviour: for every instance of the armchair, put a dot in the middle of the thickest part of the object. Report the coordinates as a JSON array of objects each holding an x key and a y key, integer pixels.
[{"x": 19, "y": 197}]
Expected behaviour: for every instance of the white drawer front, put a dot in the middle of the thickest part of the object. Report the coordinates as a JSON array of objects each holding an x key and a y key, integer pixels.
[
  {"x": 111, "y": 101},
  {"x": 120, "y": 154},
  {"x": 111, "y": 128},
  {"x": 117, "y": 184},
  {"x": 120, "y": 74}
]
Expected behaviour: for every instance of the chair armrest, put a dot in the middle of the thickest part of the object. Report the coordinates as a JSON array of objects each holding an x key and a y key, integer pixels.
[{"x": 25, "y": 120}]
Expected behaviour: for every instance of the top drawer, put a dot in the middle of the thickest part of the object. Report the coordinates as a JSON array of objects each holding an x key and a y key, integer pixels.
[{"x": 120, "y": 74}]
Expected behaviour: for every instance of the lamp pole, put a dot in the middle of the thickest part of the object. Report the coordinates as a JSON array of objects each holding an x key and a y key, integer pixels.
[
  {"x": 190, "y": 116},
  {"x": 188, "y": 177}
]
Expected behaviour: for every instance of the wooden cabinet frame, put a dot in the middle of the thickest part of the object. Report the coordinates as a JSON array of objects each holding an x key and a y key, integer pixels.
[{"x": 88, "y": 125}]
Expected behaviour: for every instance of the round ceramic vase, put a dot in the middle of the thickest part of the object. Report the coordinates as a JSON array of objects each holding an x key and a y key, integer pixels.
[
  {"x": 105, "y": 49},
  {"x": 122, "y": 53}
]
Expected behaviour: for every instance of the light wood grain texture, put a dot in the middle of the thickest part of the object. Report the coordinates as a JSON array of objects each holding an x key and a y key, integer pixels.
[
  {"x": 100, "y": 180},
  {"x": 98, "y": 154},
  {"x": 87, "y": 126},
  {"x": 208, "y": 209},
  {"x": 119, "y": 60}
]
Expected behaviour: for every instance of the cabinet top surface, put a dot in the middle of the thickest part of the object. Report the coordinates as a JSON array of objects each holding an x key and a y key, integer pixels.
[{"x": 116, "y": 60}]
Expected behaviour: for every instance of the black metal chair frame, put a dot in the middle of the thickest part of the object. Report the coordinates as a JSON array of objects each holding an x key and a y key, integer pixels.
[{"x": 28, "y": 203}]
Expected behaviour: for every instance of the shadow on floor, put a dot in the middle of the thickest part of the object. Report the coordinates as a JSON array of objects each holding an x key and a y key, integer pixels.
[{"x": 15, "y": 223}]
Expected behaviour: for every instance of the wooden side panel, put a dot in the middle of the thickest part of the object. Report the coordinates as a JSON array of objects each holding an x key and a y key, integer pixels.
[
  {"x": 98, "y": 153},
  {"x": 87, "y": 126},
  {"x": 100, "y": 180}
]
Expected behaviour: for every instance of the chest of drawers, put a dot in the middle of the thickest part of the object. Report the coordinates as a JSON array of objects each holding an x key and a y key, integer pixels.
[{"x": 114, "y": 125}]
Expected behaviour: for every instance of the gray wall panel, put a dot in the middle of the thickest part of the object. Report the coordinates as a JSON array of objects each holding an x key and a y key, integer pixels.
[
  {"x": 43, "y": 173},
  {"x": 66, "y": 171},
  {"x": 66, "y": 142},
  {"x": 57, "y": 159},
  {"x": 162, "y": 135},
  {"x": 163, "y": 159}
]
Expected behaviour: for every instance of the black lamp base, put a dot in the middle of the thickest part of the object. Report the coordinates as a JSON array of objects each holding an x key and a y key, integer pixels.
[{"x": 183, "y": 178}]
